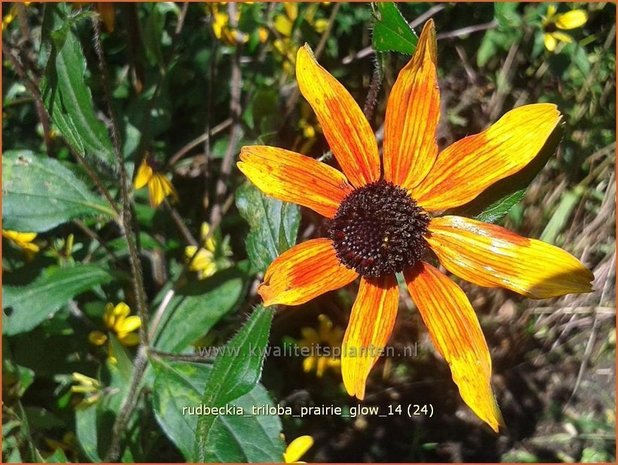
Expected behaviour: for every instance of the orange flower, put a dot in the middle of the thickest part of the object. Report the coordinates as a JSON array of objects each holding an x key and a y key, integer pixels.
[{"x": 382, "y": 220}]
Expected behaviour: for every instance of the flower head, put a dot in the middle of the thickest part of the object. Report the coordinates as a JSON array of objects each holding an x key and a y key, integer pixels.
[
  {"x": 327, "y": 335},
  {"x": 118, "y": 320},
  {"x": 297, "y": 448},
  {"x": 384, "y": 220},
  {"x": 204, "y": 263},
  {"x": 222, "y": 29},
  {"x": 554, "y": 23},
  {"x": 22, "y": 240},
  {"x": 159, "y": 187}
]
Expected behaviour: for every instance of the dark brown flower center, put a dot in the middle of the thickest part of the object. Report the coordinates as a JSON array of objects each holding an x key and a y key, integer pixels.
[{"x": 379, "y": 229}]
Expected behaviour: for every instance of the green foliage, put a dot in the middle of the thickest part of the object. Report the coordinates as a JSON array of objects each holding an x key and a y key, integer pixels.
[
  {"x": 391, "y": 32},
  {"x": 197, "y": 307},
  {"x": 65, "y": 93},
  {"x": 25, "y": 307},
  {"x": 178, "y": 387},
  {"x": 273, "y": 225},
  {"x": 40, "y": 193},
  {"x": 235, "y": 372}
]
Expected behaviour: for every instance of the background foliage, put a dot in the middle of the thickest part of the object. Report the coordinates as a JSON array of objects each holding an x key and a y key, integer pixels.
[{"x": 184, "y": 86}]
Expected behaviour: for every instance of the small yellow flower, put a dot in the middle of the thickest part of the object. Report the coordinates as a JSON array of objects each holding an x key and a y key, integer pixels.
[
  {"x": 262, "y": 34},
  {"x": 159, "y": 187},
  {"x": 204, "y": 262},
  {"x": 118, "y": 320},
  {"x": 297, "y": 448},
  {"x": 327, "y": 336},
  {"x": 553, "y": 23},
  {"x": 11, "y": 15},
  {"x": 89, "y": 387},
  {"x": 23, "y": 240},
  {"x": 222, "y": 30}
]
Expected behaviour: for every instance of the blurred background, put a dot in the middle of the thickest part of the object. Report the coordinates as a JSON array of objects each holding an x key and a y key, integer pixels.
[{"x": 190, "y": 85}]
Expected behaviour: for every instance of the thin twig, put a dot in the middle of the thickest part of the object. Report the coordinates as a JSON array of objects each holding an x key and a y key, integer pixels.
[
  {"x": 204, "y": 137},
  {"x": 139, "y": 368},
  {"x": 464, "y": 31}
]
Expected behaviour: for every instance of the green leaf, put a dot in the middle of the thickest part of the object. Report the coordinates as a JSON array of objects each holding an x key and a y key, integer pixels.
[
  {"x": 506, "y": 14},
  {"x": 562, "y": 214},
  {"x": 16, "y": 378},
  {"x": 273, "y": 225},
  {"x": 497, "y": 210},
  {"x": 40, "y": 193},
  {"x": 391, "y": 32},
  {"x": 86, "y": 431},
  {"x": 196, "y": 308},
  {"x": 63, "y": 87},
  {"x": 178, "y": 386},
  {"x": 26, "y": 307},
  {"x": 57, "y": 457},
  {"x": 235, "y": 371}
]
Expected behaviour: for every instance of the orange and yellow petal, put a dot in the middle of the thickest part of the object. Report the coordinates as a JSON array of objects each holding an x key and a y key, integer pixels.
[
  {"x": 144, "y": 173},
  {"x": 492, "y": 256},
  {"x": 371, "y": 323},
  {"x": 465, "y": 169},
  {"x": 571, "y": 19},
  {"x": 456, "y": 334},
  {"x": 305, "y": 271},
  {"x": 293, "y": 177},
  {"x": 344, "y": 125},
  {"x": 412, "y": 114}
]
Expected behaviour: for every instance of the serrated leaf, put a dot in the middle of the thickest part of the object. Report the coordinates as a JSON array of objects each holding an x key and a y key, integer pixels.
[
  {"x": 27, "y": 306},
  {"x": 235, "y": 371},
  {"x": 63, "y": 87},
  {"x": 178, "y": 385},
  {"x": 273, "y": 225},
  {"x": 391, "y": 32},
  {"x": 197, "y": 307},
  {"x": 39, "y": 193}
]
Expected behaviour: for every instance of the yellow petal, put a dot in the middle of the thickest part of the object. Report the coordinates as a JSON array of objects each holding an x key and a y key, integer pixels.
[
  {"x": 144, "y": 173},
  {"x": 571, "y": 19},
  {"x": 491, "y": 256},
  {"x": 310, "y": 336},
  {"x": 551, "y": 11},
  {"x": 305, "y": 271},
  {"x": 469, "y": 166},
  {"x": 129, "y": 324},
  {"x": 159, "y": 187},
  {"x": 309, "y": 363},
  {"x": 121, "y": 310},
  {"x": 204, "y": 231},
  {"x": 295, "y": 178},
  {"x": 562, "y": 37},
  {"x": 549, "y": 41},
  {"x": 371, "y": 324},
  {"x": 130, "y": 339},
  {"x": 109, "y": 318},
  {"x": 283, "y": 25},
  {"x": 297, "y": 448},
  {"x": 97, "y": 338},
  {"x": 412, "y": 115},
  {"x": 456, "y": 333},
  {"x": 344, "y": 125},
  {"x": 291, "y": 10}
]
